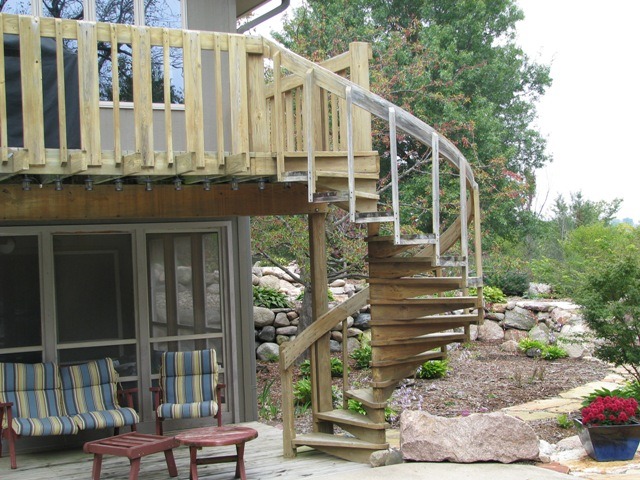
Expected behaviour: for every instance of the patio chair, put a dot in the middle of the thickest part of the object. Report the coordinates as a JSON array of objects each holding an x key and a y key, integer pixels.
[{"x": 188, "y": 388}]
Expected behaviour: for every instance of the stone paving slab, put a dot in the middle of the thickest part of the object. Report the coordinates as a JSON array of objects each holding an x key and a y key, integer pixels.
[{"x": 582, "y": 391}]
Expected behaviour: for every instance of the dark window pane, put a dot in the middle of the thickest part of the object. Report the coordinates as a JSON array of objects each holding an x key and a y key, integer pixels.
[{"x": 20, "y": 287}]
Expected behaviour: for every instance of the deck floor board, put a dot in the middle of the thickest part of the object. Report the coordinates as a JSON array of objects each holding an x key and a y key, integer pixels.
[{"x": 263, "y": 460}]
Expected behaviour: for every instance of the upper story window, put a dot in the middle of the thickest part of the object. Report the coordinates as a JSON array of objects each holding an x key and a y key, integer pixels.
[{"x": 156, "y": 13}]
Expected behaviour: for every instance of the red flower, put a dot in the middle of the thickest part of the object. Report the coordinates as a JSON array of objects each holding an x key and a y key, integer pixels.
[{"x": 610, "y": 410}]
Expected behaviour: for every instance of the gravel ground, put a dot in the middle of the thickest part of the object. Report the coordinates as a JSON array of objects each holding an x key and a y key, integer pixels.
[{"x": 481, "y": 378}]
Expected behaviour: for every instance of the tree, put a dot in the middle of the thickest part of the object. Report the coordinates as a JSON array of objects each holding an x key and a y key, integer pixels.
[{"x": 454, "y": 64}]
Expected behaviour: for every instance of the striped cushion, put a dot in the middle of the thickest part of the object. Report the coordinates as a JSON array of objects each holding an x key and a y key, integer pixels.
[
  {"x": 34, "y": 391},
  {"x": 44, "y": 426},
  {"x": 187, "y": 410},
  {"x": 89, "y": 393},
  {"x": 188, "y": 381},
  {"x": 106, "y": 418}
]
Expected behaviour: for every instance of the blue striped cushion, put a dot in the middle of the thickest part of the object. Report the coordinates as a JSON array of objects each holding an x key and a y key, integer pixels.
[
  {"x": 89, "y": 393},
  {"x": 44, "y": 426},
  {"x": 187, "y": 410},
  {"x": 34, "y": 391},
  {"x": 106, "y": 418},
  {"x": 188, "y": 381}
]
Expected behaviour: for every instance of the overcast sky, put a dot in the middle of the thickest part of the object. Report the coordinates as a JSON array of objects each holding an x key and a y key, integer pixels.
[{"x": 590, "y": 114}]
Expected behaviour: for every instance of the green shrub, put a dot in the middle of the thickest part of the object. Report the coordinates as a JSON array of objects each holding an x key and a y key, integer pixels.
[
  {"x": 305, "y": 368},
  {"x": 433, "y": 369},
  {"x": 493, "y": 295},
  {"x": 553, "y": 352},
  {"x": 547, "y": 352},
  {"x": 564, "y": 421},
  {"x": 302, "y": 391},
  {"x": 362, "y": 356},
  {"x": 337, "y": 368},
  {"x": 269, "y": 298},
  {"x": 356, "y": 406},
  {"x": 527, "y": 344},
  {"x": 611, "y": 301},
  {"x": 511, "y": 282}
]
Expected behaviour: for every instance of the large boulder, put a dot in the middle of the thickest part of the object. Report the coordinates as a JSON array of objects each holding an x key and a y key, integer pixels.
[
  {"x": 519, "y": 318},
  {"x": 480, "y": 437},
  {"x": 490, "y": 331},
  {"x": 268, "y": 352},
  {"x": 262, "y": 317}
]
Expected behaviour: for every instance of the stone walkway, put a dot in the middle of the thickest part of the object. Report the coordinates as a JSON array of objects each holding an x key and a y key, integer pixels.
[{"x": 568, "y": 456}]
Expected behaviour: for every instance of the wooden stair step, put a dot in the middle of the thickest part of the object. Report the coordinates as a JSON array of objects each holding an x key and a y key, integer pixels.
[
  {"x": 431, "y": 319},
  {"x": 453, "y": 282},
  {"x": 326, "y": 439},
  {"x": 416, "y": 359},
  {"x": 294, "y": 176},
  {"x": 408, "y": 287},
  {"x": 374, "y": 217},
  {"x": 345, "y": 174},
  {"x": 364, "y": 396},
  {"x": 348, "y": 417},
  {"x": 349, "y": 448},
  {"x": 330, "y": 196},
  {"x": 446, "y": 337},
  {"x": 420, "y": 307},
  {"x": 426, "y": 239}
]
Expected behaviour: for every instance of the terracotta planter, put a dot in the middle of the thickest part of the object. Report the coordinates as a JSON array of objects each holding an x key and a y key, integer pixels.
[{"x": 609, "y": 442}]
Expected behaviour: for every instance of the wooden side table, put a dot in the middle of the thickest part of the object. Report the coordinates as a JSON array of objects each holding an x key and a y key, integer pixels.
[
  {"x": 134, "y": 446},
  {"x": 216, "y": 437}
]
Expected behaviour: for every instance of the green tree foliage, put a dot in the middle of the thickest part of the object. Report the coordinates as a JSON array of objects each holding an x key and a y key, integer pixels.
[
  {"x": 611, "y": 301},
  {"x": 454, "y": 64}
]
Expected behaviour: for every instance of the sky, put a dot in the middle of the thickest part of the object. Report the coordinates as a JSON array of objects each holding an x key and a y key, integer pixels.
[{"x": 590, "y": 115}]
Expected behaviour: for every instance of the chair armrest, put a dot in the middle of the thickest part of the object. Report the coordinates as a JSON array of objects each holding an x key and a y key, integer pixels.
[
  {"x": 219, "y": 388},
  {"x": 6, "y": 407},
  {"x": 157, "y": 395},
  {"x": 127, "y": 395}
]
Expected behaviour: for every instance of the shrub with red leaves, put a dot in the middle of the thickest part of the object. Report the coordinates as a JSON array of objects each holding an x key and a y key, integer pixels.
[{"x": 610, "y": 410}]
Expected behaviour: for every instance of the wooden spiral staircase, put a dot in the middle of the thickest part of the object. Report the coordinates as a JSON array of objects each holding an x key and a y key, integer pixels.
[{"x": 418, "y": 286}]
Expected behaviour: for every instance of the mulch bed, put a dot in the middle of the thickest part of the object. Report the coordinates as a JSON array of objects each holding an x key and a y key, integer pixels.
[{"x": 481, "y": 378}]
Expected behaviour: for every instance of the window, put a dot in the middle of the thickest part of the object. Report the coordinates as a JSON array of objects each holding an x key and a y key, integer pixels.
[
  {"x": 185, "y": 292},
  {"x": 20, "y": 315}
]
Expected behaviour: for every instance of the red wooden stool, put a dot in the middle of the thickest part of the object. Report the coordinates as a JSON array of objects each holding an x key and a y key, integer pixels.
[
  {"x": 216, "y": 437},
  {"x": 134, "y": 446}
]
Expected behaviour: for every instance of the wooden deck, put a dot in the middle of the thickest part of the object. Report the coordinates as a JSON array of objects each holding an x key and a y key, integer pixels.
[{"x": 263, "y": 460}]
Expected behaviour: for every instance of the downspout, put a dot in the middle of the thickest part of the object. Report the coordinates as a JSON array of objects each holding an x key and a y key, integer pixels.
[{"x": 284, "y": 4}]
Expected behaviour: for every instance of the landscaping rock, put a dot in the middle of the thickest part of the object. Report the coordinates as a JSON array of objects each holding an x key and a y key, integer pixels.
[
  {"x": 337, "y": 336},
  {"x": 280, "y": 339},
  {"x": 263, "y": 317},
  {"x": 540, "y": 332},
  {"x": 497, "y": 317},
  {"x": 499, "y": 307},
  {"x": 383, "y": 458},
  {"x": 270, "y": 281},
  {"x": 477, "y": 438},
  {"x": 267, "y": 334},
  {"x": 281, "y": 320},
  {"x": 516, "y": 335},
  {"x": 490, "y": 331},
  {"x": 352, "y": 344},
  {"x": 291, "y": 330},
  {"x": 539, "y": 290},
  {"x": 268, "y": 352},
  {"x": 362, "y": 321},
  {"x": 535, "y": 305},
  {"x": 519, "y": 318},
  {"x": 255, "y": 280},
  {"x": 335, "y": 346},
  {"x": 510, "y": 346},
  {"x": 338, "y": 283}
]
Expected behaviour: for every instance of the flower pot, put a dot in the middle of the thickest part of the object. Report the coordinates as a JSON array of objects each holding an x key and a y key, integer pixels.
[{"x": 609, "y": 443}]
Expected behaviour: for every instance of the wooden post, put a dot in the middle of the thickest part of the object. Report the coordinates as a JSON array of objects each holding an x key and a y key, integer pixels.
[
  {"x": 320, "y": 358},
  {"x": 288, "y": 432},
  {"x": 359, "y": 69}
]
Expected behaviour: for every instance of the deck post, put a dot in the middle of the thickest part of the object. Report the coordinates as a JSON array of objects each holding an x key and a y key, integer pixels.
[{"x": 320, "y": 358}]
